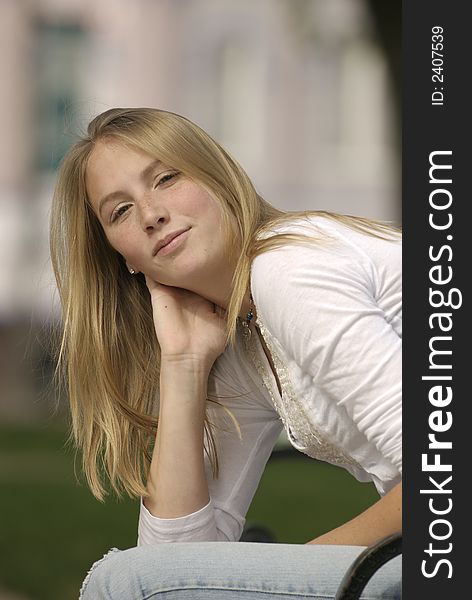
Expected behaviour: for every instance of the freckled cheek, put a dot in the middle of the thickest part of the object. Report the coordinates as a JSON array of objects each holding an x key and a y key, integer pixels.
[
  {"x": 129, "y": 249},
  {"x": 195, "y": 201},
  {"x": 192, "y": 205}
]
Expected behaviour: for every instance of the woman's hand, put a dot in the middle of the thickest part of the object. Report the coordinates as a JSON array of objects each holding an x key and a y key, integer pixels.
[{"x": 188, "y": 327}]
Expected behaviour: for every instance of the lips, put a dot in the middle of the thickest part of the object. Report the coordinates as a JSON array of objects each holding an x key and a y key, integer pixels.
[{"x": 167, "y": 239}]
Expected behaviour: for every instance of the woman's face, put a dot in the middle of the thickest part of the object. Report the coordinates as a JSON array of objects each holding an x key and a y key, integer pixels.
[{"x": 163, "y": 224}]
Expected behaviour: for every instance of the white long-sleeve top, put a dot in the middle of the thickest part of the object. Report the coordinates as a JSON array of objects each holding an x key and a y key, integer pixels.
[{"x": 330, "y": 314}]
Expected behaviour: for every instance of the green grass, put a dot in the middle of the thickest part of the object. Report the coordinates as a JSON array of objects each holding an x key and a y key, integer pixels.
[
  {"x": 299, "y": 499},
  {"x": 52, "y": 528}
]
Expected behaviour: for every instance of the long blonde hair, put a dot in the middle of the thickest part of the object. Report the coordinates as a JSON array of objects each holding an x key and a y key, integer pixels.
[{"x": 108, "y": 354}]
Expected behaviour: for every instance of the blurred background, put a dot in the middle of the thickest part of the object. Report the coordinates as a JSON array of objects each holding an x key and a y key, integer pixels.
[{"x": 306, "y": 96}]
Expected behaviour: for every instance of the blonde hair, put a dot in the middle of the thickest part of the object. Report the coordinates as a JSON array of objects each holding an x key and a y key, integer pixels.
[{"x": 108, "y": 354}]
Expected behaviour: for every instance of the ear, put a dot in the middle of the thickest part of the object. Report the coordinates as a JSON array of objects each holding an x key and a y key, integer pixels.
[{"x": 131, "y": 270}]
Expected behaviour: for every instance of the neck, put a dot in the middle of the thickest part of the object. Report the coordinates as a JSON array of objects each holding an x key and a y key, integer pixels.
[
  {"x": 214, "y": 282},
  {"x": 218, "y": 290},
  {"x": 223, "y": 302}
]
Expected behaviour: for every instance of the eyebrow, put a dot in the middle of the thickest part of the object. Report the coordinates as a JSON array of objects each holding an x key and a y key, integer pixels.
[
  {"x": 148, "y": 171},
  {"x": 144, "y": 176}
]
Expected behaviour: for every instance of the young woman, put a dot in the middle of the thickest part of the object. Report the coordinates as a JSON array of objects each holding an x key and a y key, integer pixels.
[{"x": 199, "y": 321}]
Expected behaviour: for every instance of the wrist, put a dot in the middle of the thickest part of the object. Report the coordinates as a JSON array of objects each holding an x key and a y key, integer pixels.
[
  {"x": 185, "y": 380},
  {"x": 185, "y": 363}
]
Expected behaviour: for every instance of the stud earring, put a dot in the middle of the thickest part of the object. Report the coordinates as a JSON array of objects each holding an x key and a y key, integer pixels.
[{"x": 132, "y": 271}]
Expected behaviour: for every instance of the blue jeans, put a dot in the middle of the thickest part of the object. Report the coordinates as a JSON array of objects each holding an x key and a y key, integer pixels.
[{"x": 232, "y": 571}]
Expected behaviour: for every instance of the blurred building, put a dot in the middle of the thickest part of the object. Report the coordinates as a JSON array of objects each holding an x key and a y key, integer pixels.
[{"x": 297, "y": 90}]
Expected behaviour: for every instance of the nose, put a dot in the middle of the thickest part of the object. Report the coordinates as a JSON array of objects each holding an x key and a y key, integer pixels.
[{"x": 152, "y": 214}]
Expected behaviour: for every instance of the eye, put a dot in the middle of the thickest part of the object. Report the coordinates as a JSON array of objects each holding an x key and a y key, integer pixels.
[
  {"x": 118, "y": 212},
  {"x": 165, "y": 179}
]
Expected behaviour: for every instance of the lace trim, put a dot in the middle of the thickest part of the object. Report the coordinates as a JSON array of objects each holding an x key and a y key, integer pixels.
[{"x": 309, "y": 439}]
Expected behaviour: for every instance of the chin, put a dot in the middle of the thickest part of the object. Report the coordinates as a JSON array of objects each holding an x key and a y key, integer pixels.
[{"x": 184, "y": 271}]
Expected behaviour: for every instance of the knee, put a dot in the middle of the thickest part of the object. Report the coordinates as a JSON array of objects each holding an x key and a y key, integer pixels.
[
  {"x": 387, "y": 581},
  {"x": 103, "y": 579}
]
